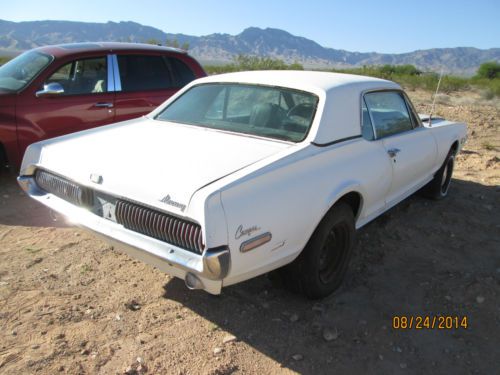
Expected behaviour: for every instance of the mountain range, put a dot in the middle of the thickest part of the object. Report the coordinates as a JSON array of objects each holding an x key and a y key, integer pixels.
[{"x": 222, "y": 48}]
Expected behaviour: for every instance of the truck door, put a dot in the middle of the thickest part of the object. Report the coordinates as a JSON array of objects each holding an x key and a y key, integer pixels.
[
  {"x": 79, "y": 98},
  {"x": 145, "y": 81}
]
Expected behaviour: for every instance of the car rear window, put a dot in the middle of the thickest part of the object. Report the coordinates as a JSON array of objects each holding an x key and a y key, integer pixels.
[{"x": 273, "y": 112}]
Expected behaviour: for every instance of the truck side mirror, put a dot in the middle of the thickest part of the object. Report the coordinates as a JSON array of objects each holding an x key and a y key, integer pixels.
[{"x": 50, "y": 89}]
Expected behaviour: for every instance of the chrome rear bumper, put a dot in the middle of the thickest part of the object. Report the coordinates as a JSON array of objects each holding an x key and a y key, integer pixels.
[{"x": 211, "y": 267}]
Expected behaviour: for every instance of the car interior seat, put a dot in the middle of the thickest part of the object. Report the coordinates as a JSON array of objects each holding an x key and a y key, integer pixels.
[{"x": 266, "y": 115}]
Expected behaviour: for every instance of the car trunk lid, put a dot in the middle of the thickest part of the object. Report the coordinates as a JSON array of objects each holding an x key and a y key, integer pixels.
[{"x": 157, "y": 163}]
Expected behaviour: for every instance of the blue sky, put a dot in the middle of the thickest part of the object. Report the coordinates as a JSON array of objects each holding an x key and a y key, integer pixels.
[{"x": 381, "y": 26}]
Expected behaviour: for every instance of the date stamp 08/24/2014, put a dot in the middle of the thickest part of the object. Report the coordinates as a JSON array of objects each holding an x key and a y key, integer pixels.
[{"x": 429, "y": 322}]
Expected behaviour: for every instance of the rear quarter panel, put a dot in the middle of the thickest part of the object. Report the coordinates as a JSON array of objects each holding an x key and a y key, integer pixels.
[
  {"x": 290, "y": 196},
  {"x": 446, "y": 134}
]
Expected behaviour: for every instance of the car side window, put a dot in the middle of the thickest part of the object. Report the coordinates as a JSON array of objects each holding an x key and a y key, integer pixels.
[
  {"x": 389, "y": 113},
  {"x": 413, "y": 113},
  {"x": 144, "y": 73},
  {"x": 366, "y": 122},
  {"x": 85, "y": 76}
]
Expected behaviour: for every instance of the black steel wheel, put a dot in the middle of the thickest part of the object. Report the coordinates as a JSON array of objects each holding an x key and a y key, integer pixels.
[
  {"x": 321, "y": 267},
  {"x": 438, "y": 187}
]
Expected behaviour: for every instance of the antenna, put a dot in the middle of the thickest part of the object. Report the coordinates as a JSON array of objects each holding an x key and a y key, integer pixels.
[{"x": 435, "y": 96}]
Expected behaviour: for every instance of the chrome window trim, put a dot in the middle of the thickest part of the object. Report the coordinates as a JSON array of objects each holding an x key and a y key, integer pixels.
[
  {"x": 371, "y": 119},
  {"x": 111, "y": 79},
  {"x": 403, "y": 96},
  {"x": 116, "y": 74}
]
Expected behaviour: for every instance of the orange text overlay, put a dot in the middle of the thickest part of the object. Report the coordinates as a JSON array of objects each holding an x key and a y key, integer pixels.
[{"x": 429, "y": 322}]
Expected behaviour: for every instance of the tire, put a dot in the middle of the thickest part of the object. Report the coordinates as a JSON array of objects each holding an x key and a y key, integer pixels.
[
  {"x": 439, "y": 186},
  {"x": 321, "y": 267},
  {"x": 3, "y": 160}
]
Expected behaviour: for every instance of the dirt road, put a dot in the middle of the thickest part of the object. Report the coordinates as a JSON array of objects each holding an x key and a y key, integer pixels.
[{"x": 72, "y": 304}]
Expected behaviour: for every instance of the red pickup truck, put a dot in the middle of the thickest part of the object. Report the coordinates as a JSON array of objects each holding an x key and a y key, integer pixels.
[{"x": 55, "y": 90}]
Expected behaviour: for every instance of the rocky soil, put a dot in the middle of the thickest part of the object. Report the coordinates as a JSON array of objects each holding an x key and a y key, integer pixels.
[{"x": 72, "y": 304}]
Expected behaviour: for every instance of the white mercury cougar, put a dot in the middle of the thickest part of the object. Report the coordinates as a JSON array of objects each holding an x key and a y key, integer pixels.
[{"x": 240, "y": 174}]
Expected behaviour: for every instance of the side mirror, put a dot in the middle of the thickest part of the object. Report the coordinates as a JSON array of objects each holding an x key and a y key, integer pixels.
[{"x": 52, "y": 88}]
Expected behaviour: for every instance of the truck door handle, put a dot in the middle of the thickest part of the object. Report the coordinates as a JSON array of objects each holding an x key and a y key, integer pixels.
[
  {"x": 393, "y": 152},
  {"x": 103, "y": 105}
]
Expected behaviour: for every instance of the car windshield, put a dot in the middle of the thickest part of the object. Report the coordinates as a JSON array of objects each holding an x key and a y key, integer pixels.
[
  {"x": 18, "y": 72},
  {"x": 272, "y": 112}
]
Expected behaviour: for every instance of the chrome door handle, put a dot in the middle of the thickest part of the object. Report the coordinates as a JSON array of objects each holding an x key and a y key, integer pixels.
[
  {"x": 103, "y": 105},
  {"x": 393, "y": 152}
]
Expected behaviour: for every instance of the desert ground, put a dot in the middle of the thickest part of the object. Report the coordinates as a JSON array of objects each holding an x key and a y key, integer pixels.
[{"x": 72, "y": 304}]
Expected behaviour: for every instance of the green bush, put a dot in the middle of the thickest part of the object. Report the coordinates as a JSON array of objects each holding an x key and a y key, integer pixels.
[
  {"x": 259, "y": 63},
  {"x": 3, "y": 60},
  {"x": 412, "y": 78},
  {"x": 407, "y": 76},
  {"x": 452, "y": 83},
  {"x": 495, "y": 87},
  {"x": 169, "y": 43},
  {"x": 244, "y": 62},
  {"x": 153, "y": 41},
  {"x": 488, "y": 78},
  {"x": 489, "y": 70},
  {"x": 390, "y": 70},
  {"x": 491, "y": 87}
]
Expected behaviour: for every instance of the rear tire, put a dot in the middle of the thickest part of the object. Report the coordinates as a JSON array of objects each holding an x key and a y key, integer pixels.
[
  {"x": 321, "y": 267},
  {"x": 438, "y": 187}
]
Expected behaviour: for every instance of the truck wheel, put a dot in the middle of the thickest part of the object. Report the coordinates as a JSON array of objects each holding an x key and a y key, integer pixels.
[
  {"x": 3, "y": 160},
  {"x": 320, "y": 268},
  {"x": 438, "y": 187}
]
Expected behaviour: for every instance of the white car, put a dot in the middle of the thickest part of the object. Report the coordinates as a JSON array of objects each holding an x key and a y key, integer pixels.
[{"x": 241, "y": 174}]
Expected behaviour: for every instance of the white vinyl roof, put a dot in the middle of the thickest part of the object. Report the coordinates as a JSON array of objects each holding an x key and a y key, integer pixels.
[
  {"x": 339, "y": 110},
  {"x": 302, "y": 80}
]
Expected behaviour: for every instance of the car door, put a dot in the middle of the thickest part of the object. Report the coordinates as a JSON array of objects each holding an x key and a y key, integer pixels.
[
  {"x": 145, "y": 81},
  {"x": 84, "y": 99},
  {"x": 410, "y": 147}
]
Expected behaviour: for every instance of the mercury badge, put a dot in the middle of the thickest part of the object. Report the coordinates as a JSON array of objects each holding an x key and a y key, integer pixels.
[{"x": 168, "y": 200}]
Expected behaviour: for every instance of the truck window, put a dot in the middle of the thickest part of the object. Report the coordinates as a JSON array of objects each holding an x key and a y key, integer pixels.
[
  {"x": 182, "y": 74},
  {"x": 85, "y": 76},
  {"x": 144, "y": 73}
]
